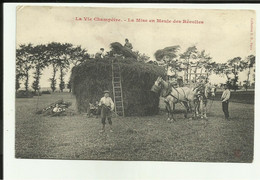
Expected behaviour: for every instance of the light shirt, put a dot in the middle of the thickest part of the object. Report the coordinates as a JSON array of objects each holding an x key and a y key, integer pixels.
[
  {"x": 57, "y": 109},
  {"x": 107, "y": 101},
  {"x": 128, "y": 45},
  {"x": 226, "y": 95},
  {"x": 100, "y": 54}
]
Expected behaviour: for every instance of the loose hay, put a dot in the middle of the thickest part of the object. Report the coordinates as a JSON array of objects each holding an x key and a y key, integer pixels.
[
  {"x": 91, "y": 78},
  {"x": 120, "y": 49},
  {"x": 131, "y": 131}
]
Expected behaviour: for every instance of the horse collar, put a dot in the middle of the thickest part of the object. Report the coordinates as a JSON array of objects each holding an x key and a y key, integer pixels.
[{"x": 168, "y": 92}]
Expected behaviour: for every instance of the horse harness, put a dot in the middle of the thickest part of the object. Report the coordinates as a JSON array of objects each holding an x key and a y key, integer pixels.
[
  {"x": 169, "y": 93},
  {"x": 202, "y": 93}
]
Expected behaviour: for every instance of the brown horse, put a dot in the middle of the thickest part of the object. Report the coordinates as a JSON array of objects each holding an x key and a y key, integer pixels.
[{"x": 185, "y": 95}]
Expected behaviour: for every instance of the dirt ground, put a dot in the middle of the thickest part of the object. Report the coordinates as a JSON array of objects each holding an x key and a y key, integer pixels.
[{"x": 134, "y": 138}]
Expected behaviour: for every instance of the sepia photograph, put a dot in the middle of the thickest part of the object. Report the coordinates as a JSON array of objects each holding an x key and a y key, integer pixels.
[{"x": 135, "y": 84}]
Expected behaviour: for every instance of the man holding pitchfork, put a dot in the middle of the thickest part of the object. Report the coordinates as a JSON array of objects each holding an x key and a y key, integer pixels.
[{"x": 107, "y": 106}]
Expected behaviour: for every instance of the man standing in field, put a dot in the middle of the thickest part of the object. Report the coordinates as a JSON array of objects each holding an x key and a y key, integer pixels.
[
  {"x": 225, "y": 98},
  {"x": 107, "y": 106}
]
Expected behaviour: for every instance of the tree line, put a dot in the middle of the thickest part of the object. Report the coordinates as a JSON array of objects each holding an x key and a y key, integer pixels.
[
  {"x": 192, "y": 60},
  {"x": 59, "y": 56}
]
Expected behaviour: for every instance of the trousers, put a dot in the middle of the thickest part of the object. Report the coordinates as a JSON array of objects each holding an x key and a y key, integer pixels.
[
  {"x": 225, "y": 109},
  {"x": 106, "y": 113}
]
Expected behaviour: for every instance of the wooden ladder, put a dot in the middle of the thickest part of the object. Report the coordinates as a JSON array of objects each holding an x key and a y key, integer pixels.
[{"x": 117, "y": 89}]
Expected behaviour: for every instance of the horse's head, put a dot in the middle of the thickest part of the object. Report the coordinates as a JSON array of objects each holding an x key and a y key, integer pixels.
[
  {"x": 157, "y": 85},
  {"x": 210, "y": 90}
]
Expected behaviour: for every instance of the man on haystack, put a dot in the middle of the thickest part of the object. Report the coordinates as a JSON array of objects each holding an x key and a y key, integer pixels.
[
  {"x": 128, "y": 44},
  {"x": 100, "y": 54},
  {"x": 107, "y": 106}
]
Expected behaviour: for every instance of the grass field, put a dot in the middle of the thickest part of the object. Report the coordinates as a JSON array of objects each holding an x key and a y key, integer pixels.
[{"x": 134, "y": 138}]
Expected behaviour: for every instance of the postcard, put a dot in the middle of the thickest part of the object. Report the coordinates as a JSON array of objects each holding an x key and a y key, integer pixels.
[{"x": 135, "y": 84}]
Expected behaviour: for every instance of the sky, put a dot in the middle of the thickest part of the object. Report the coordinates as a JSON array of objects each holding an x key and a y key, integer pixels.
[{"x": 224, "y": 34}]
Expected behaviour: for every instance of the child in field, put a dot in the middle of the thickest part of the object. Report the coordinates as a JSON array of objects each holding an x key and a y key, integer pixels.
[
  {"x": 94, "y": 109},
  {"x": 107, "y": 106}
]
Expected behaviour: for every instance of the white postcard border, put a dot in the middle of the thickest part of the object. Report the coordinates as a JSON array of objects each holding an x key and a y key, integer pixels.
[{"x": 84, "y": 169}]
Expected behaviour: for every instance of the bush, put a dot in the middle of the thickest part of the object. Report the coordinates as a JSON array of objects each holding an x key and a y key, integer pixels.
[
  {"x": 91, "y": 78},
  {"x": 36, "y": 93},
  {"x": 24, "y": 94},
  {"x": 46, "y": 92}
]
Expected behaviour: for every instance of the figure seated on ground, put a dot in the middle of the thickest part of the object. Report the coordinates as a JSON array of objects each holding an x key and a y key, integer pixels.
[
  {"x": 59, "y": 107},
  {"x": 57, "y": 110},
  {"x": 94, "y": 109}
]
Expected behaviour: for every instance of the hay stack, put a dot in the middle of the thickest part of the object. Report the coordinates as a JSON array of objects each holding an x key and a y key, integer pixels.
[
  {"x": 120, "y": 49},
  {"x": 91, "y": 78}
]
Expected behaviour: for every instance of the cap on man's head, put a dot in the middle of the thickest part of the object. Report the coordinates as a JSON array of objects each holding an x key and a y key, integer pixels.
[
  {"x": 101, "y": 49},
  {"x": 106, "y": 91},
  {"x": 126, "y": 39}
]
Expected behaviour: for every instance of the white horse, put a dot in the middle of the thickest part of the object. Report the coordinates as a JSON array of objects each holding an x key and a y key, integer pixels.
[
  {"x": 184, "y": 95},
  {"x": 205, "y": 92}
]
